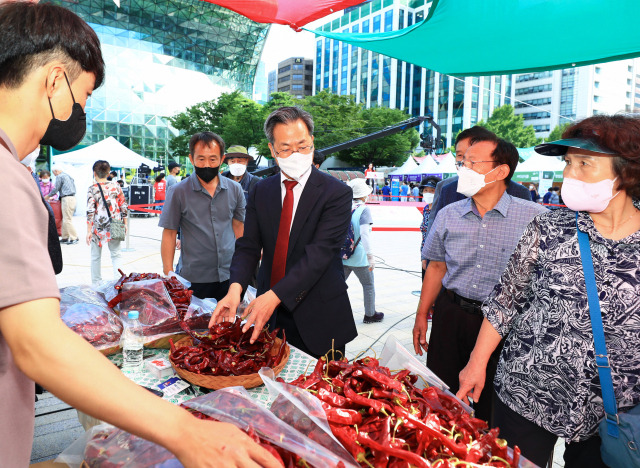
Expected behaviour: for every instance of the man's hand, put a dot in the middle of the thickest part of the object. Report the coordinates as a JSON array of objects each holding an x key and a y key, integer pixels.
[
  {"x": 227, "y": 306},
  {"x": 372, "y": 262},
  {"x": 259, "y": 312},
  {"x": 472, "y": 379},
  {"x": 424, "y": 264},
  {"x": 178, "y": 244},
  {"x": 420, "y": 329},
  {"x": 88, "y": 238},
  {"x": 213, "y": 444}
]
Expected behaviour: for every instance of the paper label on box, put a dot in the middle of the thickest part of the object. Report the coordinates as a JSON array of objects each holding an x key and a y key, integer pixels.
[{"x": 173, "y": 386}]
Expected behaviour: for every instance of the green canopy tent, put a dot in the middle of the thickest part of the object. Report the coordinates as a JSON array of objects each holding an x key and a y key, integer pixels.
[{"x": 495, "y": 37}]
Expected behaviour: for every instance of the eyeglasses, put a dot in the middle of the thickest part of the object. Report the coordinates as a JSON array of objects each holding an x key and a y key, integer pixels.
[
  {"x": 469, "y": 164},
  {"x": 288, "y": 152}
]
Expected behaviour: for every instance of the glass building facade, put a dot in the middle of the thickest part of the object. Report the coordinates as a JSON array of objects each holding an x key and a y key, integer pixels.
[
  {"x": 377, "y": 80},
  {"x": 162, "y": 57}
]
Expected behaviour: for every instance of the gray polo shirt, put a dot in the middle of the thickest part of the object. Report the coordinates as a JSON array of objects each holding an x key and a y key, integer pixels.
[{"x": 208, "y": 241}]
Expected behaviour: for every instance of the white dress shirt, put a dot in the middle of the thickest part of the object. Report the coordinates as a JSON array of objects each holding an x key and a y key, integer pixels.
[{"x": 297, "y": 191}]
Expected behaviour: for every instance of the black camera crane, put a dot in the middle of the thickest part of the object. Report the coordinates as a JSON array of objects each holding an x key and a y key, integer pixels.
[{"x": 427, "y": 141}]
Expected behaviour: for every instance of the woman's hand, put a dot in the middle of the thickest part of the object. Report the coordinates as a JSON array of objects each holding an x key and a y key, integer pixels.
[{"x": 472, "y": 379}]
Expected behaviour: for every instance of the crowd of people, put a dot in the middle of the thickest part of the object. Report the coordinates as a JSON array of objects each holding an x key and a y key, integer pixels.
[{"x": 503, "y": 281}]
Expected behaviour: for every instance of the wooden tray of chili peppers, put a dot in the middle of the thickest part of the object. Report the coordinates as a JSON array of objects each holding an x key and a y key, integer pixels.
[
  {"x": 384, "y": 420},
  {"x": 224, "y": 357}
]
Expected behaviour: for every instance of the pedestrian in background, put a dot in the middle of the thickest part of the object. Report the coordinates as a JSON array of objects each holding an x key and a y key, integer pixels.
[
  {"x": 160, "y": 191},
  {"x": 46, "y": 186},
  {"x": 361, "y": 261},
  {"x": 404, "y": 191},
  {"x": 428, "y": 188},
  {"x": 104, "y": 198},
  {"x": 67, "y": 189}
]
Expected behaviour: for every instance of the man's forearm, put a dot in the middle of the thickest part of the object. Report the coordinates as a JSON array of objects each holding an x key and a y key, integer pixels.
[
  {"x": 168, "y": 250},
  {"x": 238, "y": 228},
  {"x": 50, "y": 353},
  {"x": 431, "y": 286},
  {"x": 486, "y": 343}
]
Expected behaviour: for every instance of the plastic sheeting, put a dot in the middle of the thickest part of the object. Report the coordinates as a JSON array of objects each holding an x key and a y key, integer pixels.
[
  {"x": 294, "y": 13},
  {"x": 495, "y": 37}
]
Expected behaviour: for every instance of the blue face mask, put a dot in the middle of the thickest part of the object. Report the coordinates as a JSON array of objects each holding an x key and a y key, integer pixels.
[{"x": 65, "y": 134}]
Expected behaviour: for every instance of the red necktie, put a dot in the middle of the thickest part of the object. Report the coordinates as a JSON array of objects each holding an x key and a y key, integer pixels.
[{"x": 282, "y": 243}]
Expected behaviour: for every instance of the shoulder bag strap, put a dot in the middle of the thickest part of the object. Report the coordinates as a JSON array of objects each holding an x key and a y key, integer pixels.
[
  {"x": 106, "y": 205},
  {"x": 602, "y": 359}
]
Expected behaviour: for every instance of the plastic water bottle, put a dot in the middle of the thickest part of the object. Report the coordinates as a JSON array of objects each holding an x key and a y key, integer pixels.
[{"x": 132, "y": 344}]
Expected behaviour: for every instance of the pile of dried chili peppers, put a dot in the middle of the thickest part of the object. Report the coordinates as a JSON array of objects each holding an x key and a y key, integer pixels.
[
  {"x": 226, "y": 350},
  {"x": 384, "y": 420}
]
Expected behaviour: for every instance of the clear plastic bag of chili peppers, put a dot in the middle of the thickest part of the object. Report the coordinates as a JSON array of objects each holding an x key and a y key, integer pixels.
[
  {"x": 383, "y": 419},
  {"x": 199, "y": 313},
  {"x": 157, "y": 312},
  {"x": 86, "y": 312},
  {"x": 235, "y": 406}
]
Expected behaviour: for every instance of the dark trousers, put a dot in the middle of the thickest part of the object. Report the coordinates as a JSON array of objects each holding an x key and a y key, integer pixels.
[
  {"x": 217, "y": 290},
  {"x": 454, "y": 331},
  {"x": 284, "y": 320},
  {"x": 537, "y": 443}
]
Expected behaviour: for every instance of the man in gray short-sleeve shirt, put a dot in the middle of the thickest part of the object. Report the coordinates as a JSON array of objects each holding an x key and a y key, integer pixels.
[{"x": 209, "y": 211}]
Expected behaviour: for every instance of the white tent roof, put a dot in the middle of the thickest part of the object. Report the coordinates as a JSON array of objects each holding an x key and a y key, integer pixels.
[
  {"x": 448, "y": 164},
  {"x": 428, "y": 166},
  {"x": 110, "y": 150},
  {"x": 538, "y": 162},
  {"x": 408, "y": 165}
]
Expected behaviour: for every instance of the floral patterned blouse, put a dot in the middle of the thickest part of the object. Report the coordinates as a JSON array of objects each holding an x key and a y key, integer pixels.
[
  {"x": 97, "y": 216},
  {"x": 423, "y": 225},
  {"x": 547, "y": 371}
]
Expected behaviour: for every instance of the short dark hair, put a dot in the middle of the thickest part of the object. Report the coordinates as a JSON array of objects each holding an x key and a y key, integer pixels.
[
  {"x": 506, "y": 153},
  {"x": 173, "y": 165},
  {"x": 101, "y": 168},
  {"x": 34, "y": 34},
  {"x": 318, "y": 157},
  {"x": 286, "y": 115},
  {"x": 160, "y": 177},
  {"x": 44, "y": 173},
  {"x": 206, "y": 138},
  {"x": 475, "y": 133},
  {"x": 619, "y": 133}
]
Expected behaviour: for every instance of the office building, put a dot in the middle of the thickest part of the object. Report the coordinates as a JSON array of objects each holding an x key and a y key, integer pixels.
[
  {"x": 163, "y": 56},
  {"x": 549, "y": 98},
  {"x": 272, "y": 82},
  {"x": 295, "y": 76},
  {"x": 377, "y": 80}
]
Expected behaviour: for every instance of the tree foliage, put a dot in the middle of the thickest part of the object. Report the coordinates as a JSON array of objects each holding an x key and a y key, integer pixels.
[
  {"x": 509, "y": 126},
  {"x": 239, "y": 120},
  {"x": 556, "y": 133}
]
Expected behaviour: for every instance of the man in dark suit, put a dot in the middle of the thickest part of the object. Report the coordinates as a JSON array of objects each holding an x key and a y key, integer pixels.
[{"x": 298, "y": 220}]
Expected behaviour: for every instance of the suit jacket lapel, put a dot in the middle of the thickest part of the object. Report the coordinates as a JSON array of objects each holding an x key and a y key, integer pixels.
[
  {"x": 309, "y": 197},
  {"x": 274, "y": 204}
]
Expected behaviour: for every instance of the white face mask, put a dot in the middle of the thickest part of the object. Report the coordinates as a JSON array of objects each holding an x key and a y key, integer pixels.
[
  {"x": 44, "y": 181},
  {"x": 593, "y": 197},
  {"x": 296, "y": 164},
  {"x": 427, "y": 197},
  {"x": 470, "y": 182},
  {"x": 237, "y": 169}
]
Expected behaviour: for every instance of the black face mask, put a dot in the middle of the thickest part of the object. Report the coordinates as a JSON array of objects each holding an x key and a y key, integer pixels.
[
  {"x": 65, "y": 134},
  {"x": 207, "y": 173}
]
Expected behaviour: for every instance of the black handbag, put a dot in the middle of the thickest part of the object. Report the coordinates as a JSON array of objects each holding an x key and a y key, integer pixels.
[{"x": 116, "y": 226}]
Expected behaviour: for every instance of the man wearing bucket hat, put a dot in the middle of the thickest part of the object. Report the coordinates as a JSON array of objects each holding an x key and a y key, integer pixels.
[
  {"x": 237, "y": 158},
  {"x": 361, "y": 261}
]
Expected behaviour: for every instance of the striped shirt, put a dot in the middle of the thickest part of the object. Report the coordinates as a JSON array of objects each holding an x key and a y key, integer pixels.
[
  {"x": 476, "y": 249},
  {"x": 64, "y": 186}
]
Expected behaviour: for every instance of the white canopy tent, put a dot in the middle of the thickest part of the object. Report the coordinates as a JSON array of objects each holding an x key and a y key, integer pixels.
[
  {"x": 78, "y": 164},
  {"x": 427, "y": 166},
  {"x": 538, "y": 162},
  {"x": 408, "y": 166},
  {"x": 110, "y": 150},
  {"x": 448, "y": 165}
]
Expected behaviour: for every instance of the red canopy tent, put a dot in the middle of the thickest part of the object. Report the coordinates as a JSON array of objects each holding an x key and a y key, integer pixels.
[{"x": 295, "y": 13}]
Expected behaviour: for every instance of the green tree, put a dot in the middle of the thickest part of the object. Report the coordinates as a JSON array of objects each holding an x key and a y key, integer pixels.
[
  {"x": 232, "y": 116},
  {"x": 391, "y": 150},
  {"x": 504, "y": 123},
  {"x": 556, "y": 133}
]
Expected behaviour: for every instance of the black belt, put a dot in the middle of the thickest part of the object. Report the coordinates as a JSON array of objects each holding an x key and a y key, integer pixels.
[
  {"x": 72, "y": 195},
  {"x": 468, "y": 305}
]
